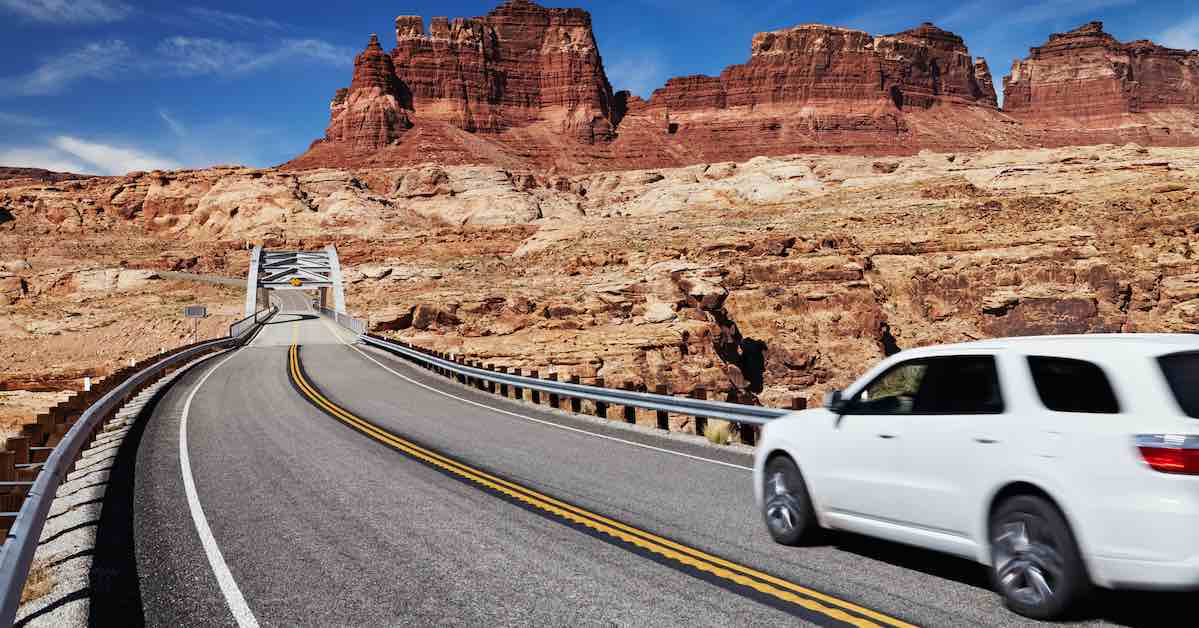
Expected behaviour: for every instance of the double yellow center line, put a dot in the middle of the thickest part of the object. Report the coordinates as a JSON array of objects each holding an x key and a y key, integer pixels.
[{"x": 786, "y": 595}]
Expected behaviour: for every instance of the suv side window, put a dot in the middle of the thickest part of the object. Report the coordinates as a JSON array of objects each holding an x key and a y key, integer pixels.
[
  {"x": 950, "y": 385},
  {"x": 1067, "y": 385},
  {"x": 966, "y": 384},
  {"x": 893, "y": 392},
  {"x": 1182, "y": 373}
]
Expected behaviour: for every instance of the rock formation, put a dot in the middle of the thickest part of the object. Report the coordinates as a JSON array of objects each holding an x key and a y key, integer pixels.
[
  {"x": 370, "y": 114},
  {"x": 1086, "y": 80},
  {"x": 525, "y": 86},
  {"x": 520, "y": 64},
  {"x": 840, "y": 69}
]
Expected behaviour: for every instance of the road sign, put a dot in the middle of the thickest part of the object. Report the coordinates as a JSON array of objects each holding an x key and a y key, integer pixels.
[{"x": 195, "y": 311}]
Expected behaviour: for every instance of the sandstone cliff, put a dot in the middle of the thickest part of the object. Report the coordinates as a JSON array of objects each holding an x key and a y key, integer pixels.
[
  {"x": 370, "y": 114},
  {"x": 1088, "y": 82},
  {"x": 521, "y": 67}
]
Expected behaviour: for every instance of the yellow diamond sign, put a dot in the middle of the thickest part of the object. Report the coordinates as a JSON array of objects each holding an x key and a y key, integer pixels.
[{"x": 296, "y": 281}]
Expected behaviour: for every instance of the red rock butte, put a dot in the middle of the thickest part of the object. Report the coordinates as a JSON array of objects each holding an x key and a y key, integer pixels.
[
  {"x": 524, "y": 86},
  {"x": 1087, "y": 81}
]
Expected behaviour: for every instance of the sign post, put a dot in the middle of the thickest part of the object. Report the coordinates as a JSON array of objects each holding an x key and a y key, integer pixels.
[{"x": 195, "y": 312}]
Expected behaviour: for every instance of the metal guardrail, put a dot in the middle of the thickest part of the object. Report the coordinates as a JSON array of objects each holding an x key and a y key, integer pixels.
[
  {"x": 250, "y": 322},
  {"x": 738, "y": 413},
  {"x": 16, "y": 557},
  {"x": 355, "y": 325}
]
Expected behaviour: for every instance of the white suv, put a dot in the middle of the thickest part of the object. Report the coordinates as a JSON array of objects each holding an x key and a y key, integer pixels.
[{"x": 1061, "y": 462}]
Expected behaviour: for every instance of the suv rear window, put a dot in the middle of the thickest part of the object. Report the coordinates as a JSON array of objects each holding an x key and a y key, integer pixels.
[
  {"x": 1182, "y": 373},
  {"x": 1067, "y": 385}
]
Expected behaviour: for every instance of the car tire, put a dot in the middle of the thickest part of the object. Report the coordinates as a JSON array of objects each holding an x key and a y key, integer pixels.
[
  {"x": 787, "y": 506},
  {"x": 1036, "y": 564}
]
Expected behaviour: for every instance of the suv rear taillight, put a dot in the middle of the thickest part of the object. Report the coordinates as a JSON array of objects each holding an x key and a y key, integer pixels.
[{"x": 1170, "y": 453}]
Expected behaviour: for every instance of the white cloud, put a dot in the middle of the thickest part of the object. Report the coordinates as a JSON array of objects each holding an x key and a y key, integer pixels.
[
  {"x": 640, "y": 73},
  {"x": 180, "y": 56},
  {"x": 21, "y": 120},
  {"x": 69, "y": 11},
  {"x": 192, "y": 56},
  {"x": 174, "y": 125},
  {"x": 233, "y": 21},
  {"x": 107, "y": 159},
  {"x": 1185, "y": 35},
  {"x": 44, "y": 158},
  {"x": 95, "y": 61}
]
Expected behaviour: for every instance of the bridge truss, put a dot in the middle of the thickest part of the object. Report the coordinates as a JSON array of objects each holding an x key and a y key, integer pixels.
[{"x": 294, "y": 270}]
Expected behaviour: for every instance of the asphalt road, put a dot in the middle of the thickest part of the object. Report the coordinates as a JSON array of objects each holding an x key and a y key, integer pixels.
[{"x": 316, "y": 523}]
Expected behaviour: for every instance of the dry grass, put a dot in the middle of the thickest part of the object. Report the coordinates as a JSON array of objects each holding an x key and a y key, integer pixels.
[
  {"x": 719, "y": 432},
  {"x": 39, "y": 583}
]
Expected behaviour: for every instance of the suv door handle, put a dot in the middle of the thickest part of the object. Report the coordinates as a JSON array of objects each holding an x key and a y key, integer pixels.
[
  {"x": 986, "y": 441},
  {"x": 887, "y": 436}
]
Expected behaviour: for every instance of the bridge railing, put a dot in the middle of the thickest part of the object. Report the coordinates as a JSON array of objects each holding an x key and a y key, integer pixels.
[
  {"x": 250, "y": 322},
  {"x": 16, "y": 557},
  {"x": 355, "y": 325},
  {"x": 488, "y": 379}
]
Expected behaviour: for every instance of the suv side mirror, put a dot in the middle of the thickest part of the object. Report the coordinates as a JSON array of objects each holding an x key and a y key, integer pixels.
[{"x": 836, "y": 402}]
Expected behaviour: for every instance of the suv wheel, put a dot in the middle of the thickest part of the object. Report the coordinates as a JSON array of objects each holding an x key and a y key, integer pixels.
[
  {"x": 788, "y": 510},
  {"x": 1035, "y": 561}
]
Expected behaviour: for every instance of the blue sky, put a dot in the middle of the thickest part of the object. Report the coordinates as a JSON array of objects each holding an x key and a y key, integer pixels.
[{"x": 108, "y": 86}]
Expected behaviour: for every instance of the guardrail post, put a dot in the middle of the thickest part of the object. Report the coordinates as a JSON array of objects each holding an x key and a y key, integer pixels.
[
  {"x": 19, "y": 445},
  {"x": 480, "y": 383},
  {"x": 601, "y": 408},
  {"x": 518, "y": 392},
  {"x": 554, "y": 400},
  {"x": 490, "y": 386},
  {"x": 576, "y": 404},
  {"x": 630, "y": 412},
  {"x": 701, "y": 423},
  {"x": 535, "y": 395},
  {"x": 799, "y": 403},
  {"x": 503, "y": 385},
  {"x": 8, "y": 466},
  {"x": 662, "y": 416}
]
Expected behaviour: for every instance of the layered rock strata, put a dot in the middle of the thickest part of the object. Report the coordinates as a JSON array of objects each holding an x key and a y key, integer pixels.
[
  {"x": 371, "y": 113},
  {"x": 525, "y": 86},
  {"x": 1087, "y": 81}
]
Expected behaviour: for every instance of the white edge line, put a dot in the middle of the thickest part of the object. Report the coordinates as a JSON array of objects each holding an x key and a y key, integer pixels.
[
  {"x": 233, "y": 596},
  {"x": 529, "y": 418}
]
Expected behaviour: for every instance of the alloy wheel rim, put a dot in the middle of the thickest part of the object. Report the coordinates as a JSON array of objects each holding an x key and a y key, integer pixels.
[
  {"x": 1029, "y": 568},
  {"x": 782, "y": 507}
]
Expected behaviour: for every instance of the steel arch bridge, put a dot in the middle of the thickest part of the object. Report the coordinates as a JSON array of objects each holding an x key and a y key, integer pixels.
[{"x": 294, "y": 270}]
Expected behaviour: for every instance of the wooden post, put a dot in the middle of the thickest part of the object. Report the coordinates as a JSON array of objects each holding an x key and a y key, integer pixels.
[
  {"x": 576, "y": 404},
  {"x": 701, "y": 423},
  {"x": 8, "y": 468},
  {"x": 554, "y": 400},
  {"x": 490, "y": 385},
  {"x": 19, "y": 445},
  {"x": 662, "y": 415},
  {"x": 518, "y": 392},
  {"x": 535, "y": 395},
  {"x": 601, "y": 408},
  {"x": 799, "y": 403},
  {"x": 482, "y": 383},
  {"x": 503, "y": 386},
  {"x": 630, "y": 412}
]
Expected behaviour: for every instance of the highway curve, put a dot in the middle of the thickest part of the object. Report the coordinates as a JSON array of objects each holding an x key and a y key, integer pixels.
[{"x": 336, "y": 485}]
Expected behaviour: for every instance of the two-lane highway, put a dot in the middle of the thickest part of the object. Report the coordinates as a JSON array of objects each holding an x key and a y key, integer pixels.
[{"x": 303, "y": 480}]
